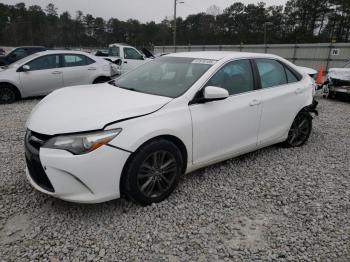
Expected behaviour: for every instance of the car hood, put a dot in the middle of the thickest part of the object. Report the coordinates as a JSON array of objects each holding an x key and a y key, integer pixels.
[
  {"x": 92, "y": 107},
  {"x": 339, "y": 73}
]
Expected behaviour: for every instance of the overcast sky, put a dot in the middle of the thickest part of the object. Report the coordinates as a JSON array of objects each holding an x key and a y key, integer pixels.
[{"x": 143, "y": 10}]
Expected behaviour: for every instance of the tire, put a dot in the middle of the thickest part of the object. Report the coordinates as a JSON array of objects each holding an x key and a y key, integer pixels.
[
  {"x": 7, "y": 95},
  {"x": 101, "y": 80},
  {"x": 144, "y": 180},
  {"x": 300, "y": 130}
]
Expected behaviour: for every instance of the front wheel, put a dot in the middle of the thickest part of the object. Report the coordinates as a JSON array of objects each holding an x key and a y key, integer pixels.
[
  {"x": 300, "y": 131},
  {"x": 153, "y": 173}
]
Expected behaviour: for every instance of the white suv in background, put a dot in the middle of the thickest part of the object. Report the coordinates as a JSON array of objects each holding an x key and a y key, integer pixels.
[{"x": 44, "y": 72}]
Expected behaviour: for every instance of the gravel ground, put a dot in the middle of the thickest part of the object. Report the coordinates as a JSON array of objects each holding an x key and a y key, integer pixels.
[{"x": 273, "y": 204}]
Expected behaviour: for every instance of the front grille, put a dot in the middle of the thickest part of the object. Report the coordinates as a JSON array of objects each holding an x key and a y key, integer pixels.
[{"x": 32, "y": 144}]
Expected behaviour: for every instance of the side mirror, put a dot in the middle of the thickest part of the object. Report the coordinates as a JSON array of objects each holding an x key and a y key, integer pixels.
[
  {"x": 25, "y": 68},
  {"x": 212, "y": 93}
]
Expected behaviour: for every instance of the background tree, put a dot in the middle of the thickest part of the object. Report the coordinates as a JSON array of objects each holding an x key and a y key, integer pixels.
[{"x": 299, "y": 21}]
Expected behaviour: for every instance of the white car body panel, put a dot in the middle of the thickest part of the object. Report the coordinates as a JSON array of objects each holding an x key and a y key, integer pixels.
[
  {"x": 43, "y": 82},
  {"x": 76, "y": 184},
  {"x": 210, "y": 132},
  {"x": 114, "y": 104},
  {"x": 339, "y": 73}
]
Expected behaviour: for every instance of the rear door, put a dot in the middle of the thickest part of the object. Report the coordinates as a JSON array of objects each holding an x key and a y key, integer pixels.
[
  {"x": 44, "y": 76},
  {"x": 280, "y": 95},
  {"x": 78, "y": 69}
]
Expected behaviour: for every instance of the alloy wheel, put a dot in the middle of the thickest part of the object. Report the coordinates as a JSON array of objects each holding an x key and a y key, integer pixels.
[
  {"x": 299, "y": 131},
  {"x": 157, "y": 174}
]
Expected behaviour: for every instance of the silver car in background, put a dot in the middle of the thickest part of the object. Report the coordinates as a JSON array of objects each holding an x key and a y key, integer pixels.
[{"x": 44, "y": 72}]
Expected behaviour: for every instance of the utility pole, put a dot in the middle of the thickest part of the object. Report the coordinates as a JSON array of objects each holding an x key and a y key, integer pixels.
[
  {"x": 265, "y": 34},
  {"x": 176, "y": 2}
]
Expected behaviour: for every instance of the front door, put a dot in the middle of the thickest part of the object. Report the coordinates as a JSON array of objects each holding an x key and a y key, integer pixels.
[
  {"x": 132, "y": 59},
  {"x": 43, "y": 77},
  {"x": 227, "y": 127}
]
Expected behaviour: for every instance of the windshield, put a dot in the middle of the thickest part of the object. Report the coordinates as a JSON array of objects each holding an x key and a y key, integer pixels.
[{"x": 165, "y": 76}]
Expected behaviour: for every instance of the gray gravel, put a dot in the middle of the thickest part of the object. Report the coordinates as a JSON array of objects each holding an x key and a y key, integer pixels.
[{"x": 273, "y": 204}]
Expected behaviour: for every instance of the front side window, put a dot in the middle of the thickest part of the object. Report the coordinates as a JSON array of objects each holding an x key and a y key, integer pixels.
[
  {"x": 165, "y": 76},
  {"x": 72, "y": 60},
  {"x": 271, "y": 72},
  {"x": 131, "y": 53},
  {"x": 45, "y": 62},
  {"x": 236, "y": 77},
  {"x": 114, "y": 51}
]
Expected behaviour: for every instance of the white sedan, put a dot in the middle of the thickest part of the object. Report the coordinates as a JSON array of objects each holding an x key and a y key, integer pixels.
[
  {"x": 136, "y": 135},
  {"x": 44, "y": 72}
]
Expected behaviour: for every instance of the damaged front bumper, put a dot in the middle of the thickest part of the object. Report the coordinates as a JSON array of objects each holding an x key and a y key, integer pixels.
[{"x": 333, "y": 86}]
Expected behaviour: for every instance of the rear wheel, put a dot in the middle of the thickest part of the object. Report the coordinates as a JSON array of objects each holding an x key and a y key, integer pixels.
[
  {"x": 153, "y": 172},
  {"x": 300, "y": 131},
  {"x": 7, "y": 95}
]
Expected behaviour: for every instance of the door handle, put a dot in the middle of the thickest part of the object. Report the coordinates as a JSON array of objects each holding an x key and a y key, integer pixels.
[
  {"x": 255, "y": 102},
  {"x": 92, "y": 68},
  {"x": 56, "y": 73},
  {"x": 298, "y": 90}
]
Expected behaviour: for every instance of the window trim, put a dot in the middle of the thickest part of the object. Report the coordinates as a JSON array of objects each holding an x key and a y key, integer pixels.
[{"x": 193, "y": 101}]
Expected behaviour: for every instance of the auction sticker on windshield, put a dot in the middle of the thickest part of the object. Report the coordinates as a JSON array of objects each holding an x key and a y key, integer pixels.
[{"x": 204, "y": 61}]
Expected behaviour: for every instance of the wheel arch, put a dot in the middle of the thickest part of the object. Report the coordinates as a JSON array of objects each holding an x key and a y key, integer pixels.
[
  {"x": 12, "y": 86},
  {"x": 175, "y": 140},
  {"x": 107, "y": 78}
]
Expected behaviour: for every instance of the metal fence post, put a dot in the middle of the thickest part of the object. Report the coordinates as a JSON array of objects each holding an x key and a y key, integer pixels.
[
  {"x": 295, "y": 53},
  {"x": 329, "y": 56}
]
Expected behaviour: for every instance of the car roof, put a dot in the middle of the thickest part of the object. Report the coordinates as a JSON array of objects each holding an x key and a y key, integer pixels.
[
  {"x": 51, "y": 52},
  {"x": 218, "y": 55},
  {"x": 30, "y": 47}
]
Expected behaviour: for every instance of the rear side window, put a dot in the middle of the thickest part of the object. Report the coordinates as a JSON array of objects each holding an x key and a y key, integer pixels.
[
  {"x": 290, "y": 76},
  {"x": 236, "y": 77},
  {"x": 72, "y": 60},
  {"x": 114, "y": 51},
  {"x": 271, "y": 73}
]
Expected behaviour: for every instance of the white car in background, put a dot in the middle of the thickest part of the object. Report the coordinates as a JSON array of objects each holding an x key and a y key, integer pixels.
[
  {"x": 41, "y": 73},
  {"x": 137, "y": 134},
  {"x": 127, "y": 57}
]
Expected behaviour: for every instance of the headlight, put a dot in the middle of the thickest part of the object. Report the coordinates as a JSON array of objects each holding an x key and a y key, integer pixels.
[{"x": 82, "y": 143}]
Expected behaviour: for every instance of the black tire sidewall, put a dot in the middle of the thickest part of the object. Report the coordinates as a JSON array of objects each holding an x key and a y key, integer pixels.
[
  {"x": 308, "y": 117},
  {"x": 12, "y": 93},
  {"x": 130, "y": 182}
]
